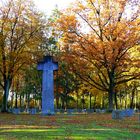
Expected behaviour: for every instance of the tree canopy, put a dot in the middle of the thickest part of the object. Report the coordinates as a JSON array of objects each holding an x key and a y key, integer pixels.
[
  {"x": 21, "y": 32},
  {"x": 97, "y": 38},
  {"x": 96, "y": 42}
]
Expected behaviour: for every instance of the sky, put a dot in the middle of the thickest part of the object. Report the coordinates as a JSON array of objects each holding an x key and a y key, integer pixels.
[{"x": 48, "y": 5}]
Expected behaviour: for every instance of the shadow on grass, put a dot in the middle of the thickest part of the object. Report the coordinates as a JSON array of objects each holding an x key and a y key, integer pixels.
[
  {"x": 62, "y": 127},
  {"x": 67, "y": 133}
]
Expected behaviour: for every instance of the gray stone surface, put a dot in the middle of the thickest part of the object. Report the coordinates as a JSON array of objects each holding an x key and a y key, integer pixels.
[
  {"x": 70, "y": 111},
  {"x": 79, "y": 110},
  {"x": 120, "y": 114},
  {"x": 128, "y": 112},
  {"x": 16, "y": 111},
  {"x": 98, "y": 110},
  {"x": 57, "y": 110},
  {"x": 22, "y": 110},
  {"x": 33, "y": 111},
  {"x": 62, "y": 110},
  {"x": 103, "y": 111},
  {"x": 47, "y": 66},
  {"x": 117, "y": 114},
  {"x": 90, "y": 110}
]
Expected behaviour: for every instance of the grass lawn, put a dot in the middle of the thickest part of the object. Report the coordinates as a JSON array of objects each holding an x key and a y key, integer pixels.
[{"x": 64, "y": 127}]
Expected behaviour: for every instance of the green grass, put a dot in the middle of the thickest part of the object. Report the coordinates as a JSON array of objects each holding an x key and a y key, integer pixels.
[{"x": 63, "y": 127}]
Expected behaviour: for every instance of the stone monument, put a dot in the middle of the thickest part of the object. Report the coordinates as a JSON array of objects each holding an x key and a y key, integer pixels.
[{"x": 47, "y": 66}]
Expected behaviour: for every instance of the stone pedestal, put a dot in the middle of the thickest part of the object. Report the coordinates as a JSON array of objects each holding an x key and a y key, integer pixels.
[
  {"x": 117, "y": 114},
  {"x": 33, "y": 111},
  {"x": 16, "y": 111},
  {"x": 70, "y": 111},
  {"x": 98, "y": 110},
  {"x": 128, "y": 112},
  {"x": 90, "y": 110}
]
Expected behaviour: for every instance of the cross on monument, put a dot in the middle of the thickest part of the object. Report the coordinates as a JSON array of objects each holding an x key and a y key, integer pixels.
[{"x": 47, "y": 66}]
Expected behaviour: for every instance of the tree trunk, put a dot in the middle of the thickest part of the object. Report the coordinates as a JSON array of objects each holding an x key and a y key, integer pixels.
[
  {"x": 28, "y": 100},
  {"x": 57, "y": 101},
  {"x": 83, "y": 102},
  {"x": 132, "y": 99},
  {"x": 111, "y": 90},
  {"x": 90, "y": 100},
  {"x": 115, "y": 99},
  {"x": 5, "y": 96},
  {"x": 77, "y": 99},
  {"x": 94, "y": 102},
  {"x": 66, "y": 102},
  {"x": 125, "y": 100},
  {"x": 63, "y": 104},
  {"x": 16, "y": 101},
  {"x": 12, "y": 99},
  {"x": 103, "y": 103},
  {"x": 57, "y": 96},
  {"x": 110, "y": 99},
  {"x": 66, "y": 94},
  {"x": 20, "y": 98}
]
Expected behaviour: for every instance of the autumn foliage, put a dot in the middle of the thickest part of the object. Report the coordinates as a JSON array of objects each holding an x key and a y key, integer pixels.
[
  {"x": 97, "y": 44},
  {"x": 99, "y": 40},
  {"x": 20, "y": 35}
]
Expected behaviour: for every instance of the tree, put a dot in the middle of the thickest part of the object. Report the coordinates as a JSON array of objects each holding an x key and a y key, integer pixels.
[
  {"x": 31, "y": 85},
  {"x": 97, "y": 40},
  {"x": 129, "y": 92},
  {"x": 20, "y": 34},
  {"x": 67, "y": 84}
]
